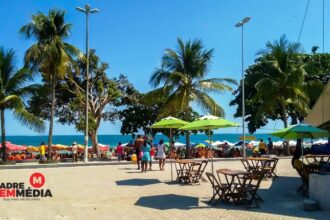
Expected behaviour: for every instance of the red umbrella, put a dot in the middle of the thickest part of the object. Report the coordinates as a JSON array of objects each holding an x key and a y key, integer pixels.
[{"x": 13, "y": 147}]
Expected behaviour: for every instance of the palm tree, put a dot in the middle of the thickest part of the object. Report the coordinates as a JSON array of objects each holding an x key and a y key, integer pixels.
[
  {"x": 182, "y": 75},
  {"x": 12, "y": 92},
  {"x": 282, "y": 86},
  {"x": 50, "y": 55}
]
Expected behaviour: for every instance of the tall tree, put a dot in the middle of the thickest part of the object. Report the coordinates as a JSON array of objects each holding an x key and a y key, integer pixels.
[
  {"x": 278, "y": 85},
  {"x": 104, "y": 94},
  {"x": 182, "y": 76},
  {"x": 13, "y": 90},
  {"x": 50, "y": 55}
]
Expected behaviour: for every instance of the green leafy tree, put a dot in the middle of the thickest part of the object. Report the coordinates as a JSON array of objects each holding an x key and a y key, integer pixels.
[
  {"x": 13, "y": 90},
  {"x": 104, "y": 94},
  {"x": 182, "y": 76},
  {"x": 313, "y": 73},
  {"x": 283, "y": 86},
  {"x": 50, "y": 55}
]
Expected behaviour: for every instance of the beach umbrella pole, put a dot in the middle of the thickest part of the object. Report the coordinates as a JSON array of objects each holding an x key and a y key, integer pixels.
[
  {"x": 171, "y": 154},
  {"x": 210, "y": 142}
]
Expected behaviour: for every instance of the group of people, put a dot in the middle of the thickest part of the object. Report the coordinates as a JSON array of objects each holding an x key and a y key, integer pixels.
[
  {"x": 145, "y": 151},
  {"x": 263, "y": 149},
  {"x": 142, "y": 149},
  {"x": 42, "y": 152}
]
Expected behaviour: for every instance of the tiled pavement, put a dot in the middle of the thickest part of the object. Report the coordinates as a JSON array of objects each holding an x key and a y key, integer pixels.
[{"x": 121, "y": 192}]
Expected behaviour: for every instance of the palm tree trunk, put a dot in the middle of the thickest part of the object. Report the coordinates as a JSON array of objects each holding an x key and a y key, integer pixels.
[
  {"x": 51, "y": 122},
  {"x": 188, "y": 145},
  {"x": 285, "y": 122},
  {"x": 3, "y": 135},
  {"x": 284, "y": 116}
]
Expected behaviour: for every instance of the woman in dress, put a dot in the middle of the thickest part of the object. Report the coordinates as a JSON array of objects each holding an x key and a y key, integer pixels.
[
  {"x": 146, "y": 156},
  {"x": 119, "y": 151},
  {"x": 161, "y": 154}
]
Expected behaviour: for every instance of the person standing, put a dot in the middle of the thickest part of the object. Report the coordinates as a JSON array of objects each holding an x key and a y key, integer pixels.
[
  {"x": 75, "y": 152},
  {"x": 137, "y": 149},
  {"x": 270, "y": 146},
  {"x": 161, "y": 154},
  {"x": 152, "y": 154},
  {"x": 119, "y": 151},
  {"x": 42, "y": 151},
  {"x": 146, "y": 156},
  {"x": 262, "y": 147}
]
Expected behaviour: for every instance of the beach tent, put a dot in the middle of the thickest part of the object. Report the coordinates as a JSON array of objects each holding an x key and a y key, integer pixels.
[
  {"x": 320, "y": 142},
  {"x": 278, "y": 143},
  {"x": 254, "y": 143},
  {"x": 229, "y": 143},
  {"x": 217, "y": 143},
  {"x": 178, "y": 144},
  {"x": 320, "y": 114}
]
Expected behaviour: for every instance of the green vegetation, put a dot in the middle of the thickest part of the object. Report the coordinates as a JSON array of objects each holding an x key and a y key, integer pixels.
[
  {"x": 182, "y": 76},
  {"x": 12, "y": 93},
  {"x": 283, "y": 83},
  {"x": 50, "y": 55}
]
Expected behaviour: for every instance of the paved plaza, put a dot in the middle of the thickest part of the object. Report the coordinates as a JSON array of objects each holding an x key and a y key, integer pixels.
[{"x": 122, "y": 192}]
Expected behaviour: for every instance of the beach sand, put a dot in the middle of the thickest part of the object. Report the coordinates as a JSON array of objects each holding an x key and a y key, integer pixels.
[{"x": 122, "y": 192}]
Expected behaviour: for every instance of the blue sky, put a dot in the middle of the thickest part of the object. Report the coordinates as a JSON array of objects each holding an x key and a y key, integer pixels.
[{"x": 131, "y": 36}]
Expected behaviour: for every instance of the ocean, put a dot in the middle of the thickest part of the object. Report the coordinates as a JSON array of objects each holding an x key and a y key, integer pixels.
[{"x": 113, "y": 140}]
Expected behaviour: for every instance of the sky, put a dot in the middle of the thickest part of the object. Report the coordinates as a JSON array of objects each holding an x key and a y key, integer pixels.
[{"x": 132, "y": 35}]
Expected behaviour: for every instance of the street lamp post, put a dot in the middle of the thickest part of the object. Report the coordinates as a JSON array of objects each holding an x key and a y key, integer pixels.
[
  {"x": 241, "y": 24},
  {"x": 87, "y": 10}
]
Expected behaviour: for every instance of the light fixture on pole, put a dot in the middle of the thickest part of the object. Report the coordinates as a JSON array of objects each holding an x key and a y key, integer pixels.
[
  {"x": 241, "y": 24},
  {"x": 87, "y": 10}
]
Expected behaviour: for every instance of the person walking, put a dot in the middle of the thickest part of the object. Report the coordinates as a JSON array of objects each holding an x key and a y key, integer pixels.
[
  {"x": 270, "y": 146},
  {"x": 138, "y": 149},
  {"x": 161, "y": 156},
  {"x": 152, "y": 154},
  {"x": 262, "y": 147},
  {"x": 146, "y": 156},
  {"x": 75, "y": 152},
  {"x": 42, "y": 152},
  {"x": 119, "y": 151}
]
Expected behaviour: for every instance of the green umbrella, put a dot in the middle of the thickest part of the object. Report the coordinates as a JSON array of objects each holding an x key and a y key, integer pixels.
[
  {"x": 209, "y": 122},
  {"x": 169, "y": 123},
  {"x": 301, "y": 131}
]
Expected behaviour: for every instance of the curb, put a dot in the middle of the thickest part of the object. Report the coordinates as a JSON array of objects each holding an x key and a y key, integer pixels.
[{"x": 100, "y": 163}]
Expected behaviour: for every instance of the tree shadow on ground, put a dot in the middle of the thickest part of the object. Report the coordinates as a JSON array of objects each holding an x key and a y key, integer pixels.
[
  {"x": 137, "y": 182},
  {"x": 168, "y": 201},
  {"x": 280, "y": 199}
]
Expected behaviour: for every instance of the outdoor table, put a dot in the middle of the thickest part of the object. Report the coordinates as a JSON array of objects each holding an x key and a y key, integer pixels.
[
  {"x": 235, "y": 183},
  {"x": 317, "y": 158},
  {"x": 264, "y": 164},
  {"x": 315, "y": 161},
  {"x": 184, "y": 168}
]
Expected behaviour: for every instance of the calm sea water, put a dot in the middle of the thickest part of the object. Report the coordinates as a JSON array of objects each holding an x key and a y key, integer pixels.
[{"x": 113, "y": 140}]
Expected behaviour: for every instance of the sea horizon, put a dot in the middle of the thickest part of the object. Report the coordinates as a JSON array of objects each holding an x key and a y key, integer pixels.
[{"x": 113, "y": 139}]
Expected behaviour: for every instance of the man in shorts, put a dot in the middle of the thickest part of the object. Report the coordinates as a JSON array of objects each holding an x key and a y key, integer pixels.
[{"x": 137, "y": 149}]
